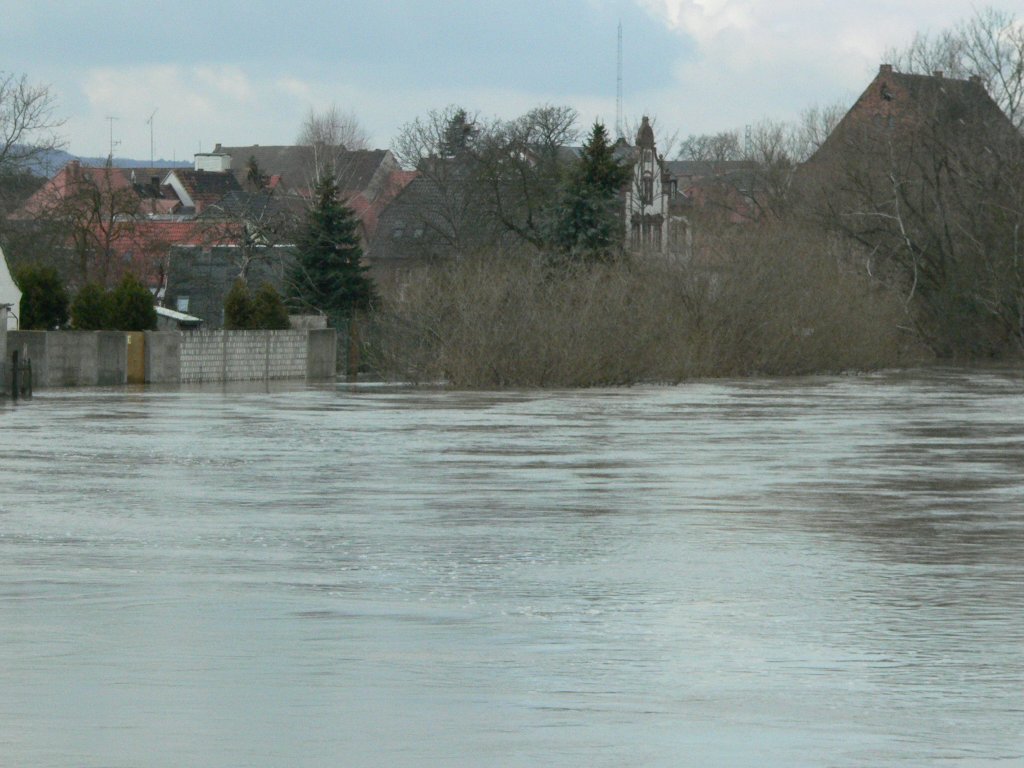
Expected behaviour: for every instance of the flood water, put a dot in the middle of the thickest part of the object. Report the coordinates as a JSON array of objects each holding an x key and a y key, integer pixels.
[{"x": 805, "y": 572}]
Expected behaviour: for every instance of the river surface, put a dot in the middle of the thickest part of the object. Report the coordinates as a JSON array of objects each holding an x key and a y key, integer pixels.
[{"x": 779, "y": 573}]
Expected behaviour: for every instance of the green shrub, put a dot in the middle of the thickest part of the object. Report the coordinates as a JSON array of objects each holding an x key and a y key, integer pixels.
[
  {"x": 131, "y": 306},
  {"x": 268, "y": 309},
  {"x": 92, "y": 308},
  {"x": 44, "y": 300},
  {"x": 238, "y": 309}
]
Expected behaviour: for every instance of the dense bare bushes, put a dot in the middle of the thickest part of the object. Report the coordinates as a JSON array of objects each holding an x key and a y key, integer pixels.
[{"x": 764, "y": 301}]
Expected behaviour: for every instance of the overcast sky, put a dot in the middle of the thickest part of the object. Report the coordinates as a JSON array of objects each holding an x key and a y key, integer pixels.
[{"x": 247, "y": 72}]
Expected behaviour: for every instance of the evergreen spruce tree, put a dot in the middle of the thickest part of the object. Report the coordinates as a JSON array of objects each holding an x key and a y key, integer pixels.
[
  {"x": 328, "y": 274},
  {"x": 92, "y": 308},
  {"x": 131, "y": 306},
  {"x": 589, "y": 225},
  {"x": 238, "y": 309},
  {"x": 44, "y": 301},
  {"x": 268, "y": 310}
]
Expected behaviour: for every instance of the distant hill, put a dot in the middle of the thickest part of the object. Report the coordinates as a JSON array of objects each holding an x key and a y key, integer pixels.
[{"x": 51, "y": 162}]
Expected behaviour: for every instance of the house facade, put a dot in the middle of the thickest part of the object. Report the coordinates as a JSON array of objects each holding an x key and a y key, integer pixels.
[
  {"x": 10, "y": 296},
  {"x": 648, "y": 199}
]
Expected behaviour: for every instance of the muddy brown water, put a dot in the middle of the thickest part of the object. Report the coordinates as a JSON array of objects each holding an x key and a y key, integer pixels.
[{"x": 819, "y": 572}]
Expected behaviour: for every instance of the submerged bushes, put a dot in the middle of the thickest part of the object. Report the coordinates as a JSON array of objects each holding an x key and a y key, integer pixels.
[{"x": 755, "y": 302}]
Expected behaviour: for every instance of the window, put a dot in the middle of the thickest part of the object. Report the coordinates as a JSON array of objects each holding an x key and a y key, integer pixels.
[
  {"x": 181, "y": 304},
  {"x": 647, "y": 189}
]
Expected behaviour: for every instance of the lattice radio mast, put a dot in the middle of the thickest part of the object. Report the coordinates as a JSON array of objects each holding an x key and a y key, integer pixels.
[{"x": 618, "y": 88}]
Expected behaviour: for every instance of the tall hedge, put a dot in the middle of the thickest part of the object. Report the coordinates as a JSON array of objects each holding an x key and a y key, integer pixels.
[{"x": 44, "y": 300}]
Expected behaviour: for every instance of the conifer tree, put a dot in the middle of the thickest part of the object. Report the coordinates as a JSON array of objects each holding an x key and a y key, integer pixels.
[
  {"x": 92, "y": 308},
  {"x": 589, "y": 224},
  {"x": 268, "y": 309},
  {"x": 131, "y": 306},
  {"x": 44, "y": 301},
  {"x": 328, "y": 274},
  {"x": 238, "y": 310}
]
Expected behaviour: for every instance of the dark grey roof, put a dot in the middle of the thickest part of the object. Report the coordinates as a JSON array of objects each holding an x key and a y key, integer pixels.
[
  {"x": 240, "y": 204},
  {"x": 698, "y": 169},
  {"x": 206, "y": 186},
  {"x": 363, "y": 170},
  {"x": 432, "y": 217}
]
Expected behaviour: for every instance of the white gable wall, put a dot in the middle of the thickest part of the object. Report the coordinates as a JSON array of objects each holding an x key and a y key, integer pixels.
[{"x": 9, "y": 293}]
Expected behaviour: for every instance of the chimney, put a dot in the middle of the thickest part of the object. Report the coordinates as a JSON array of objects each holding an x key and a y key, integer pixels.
[
  {"x": 885, "y": 69},
  {"x": 212, "y": 161},
  {"x": 937, "y": 73},
  {"x": 976, "y": 79}
]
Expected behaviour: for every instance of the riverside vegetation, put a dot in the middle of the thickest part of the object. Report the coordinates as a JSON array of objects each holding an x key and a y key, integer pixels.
[{"x": 767, "y": 301}]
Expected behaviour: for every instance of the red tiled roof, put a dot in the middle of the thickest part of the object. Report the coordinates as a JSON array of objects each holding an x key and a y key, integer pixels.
[{"x": 66, "y": 182}]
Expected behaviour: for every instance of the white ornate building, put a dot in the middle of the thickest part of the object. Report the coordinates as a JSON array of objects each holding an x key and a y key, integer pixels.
[{"x": 654, "y": 224}]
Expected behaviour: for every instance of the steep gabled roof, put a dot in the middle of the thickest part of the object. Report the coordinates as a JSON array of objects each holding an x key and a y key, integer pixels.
[
  {"x": 67, "y": 182},
  {"x": 201, "y": 188},
  {"x": 898, "y": 104}
]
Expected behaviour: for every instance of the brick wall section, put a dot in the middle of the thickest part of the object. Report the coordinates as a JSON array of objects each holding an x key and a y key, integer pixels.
[
  {"x": 243, "y": 355},
  {"x": 288, "y": 354},
  {"x": 202, "y": 356}
]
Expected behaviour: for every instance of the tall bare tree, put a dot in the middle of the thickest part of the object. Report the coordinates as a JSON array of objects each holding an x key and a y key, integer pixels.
[
  {"x": 330, "y": 133},
  {"x": 711, "y": 148},
  {"x": 446, "y": 199},
  {"x": 522, "y": 164},
  {"x": 28, "y": 122},
  {"x": 935, "y": 195},
  {"x": 989, "y": 45}
]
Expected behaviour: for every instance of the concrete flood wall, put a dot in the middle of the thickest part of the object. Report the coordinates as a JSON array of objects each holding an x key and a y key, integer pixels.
[
  {"x": 100, "y": 358},
  {"x": 72, "y": 358},
  {"x": 163, "y": 357},
  {"x": 5, "y": 383}
]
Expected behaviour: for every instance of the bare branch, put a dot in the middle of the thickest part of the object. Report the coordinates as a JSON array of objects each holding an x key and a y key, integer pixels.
[{"x": 28, "y": 124}]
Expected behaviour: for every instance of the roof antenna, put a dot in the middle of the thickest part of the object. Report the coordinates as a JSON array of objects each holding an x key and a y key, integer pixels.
[
  {"x": 618, "y": 88},
  {"x": 150, "y": 124},
  {"x": 110, "y": 158}
]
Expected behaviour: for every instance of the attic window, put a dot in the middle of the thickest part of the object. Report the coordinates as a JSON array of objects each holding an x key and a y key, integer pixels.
[
  {"x": 886, "y": 93},
  {"x": 398, "y": 231}
]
